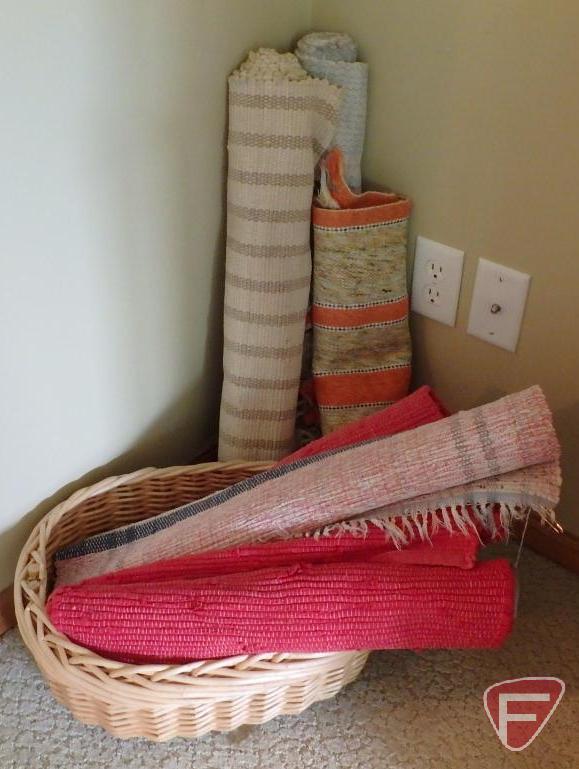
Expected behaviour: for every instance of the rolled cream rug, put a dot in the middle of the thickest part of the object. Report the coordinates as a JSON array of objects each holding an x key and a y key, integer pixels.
[
  {"x": 332, "y": 55},
  {"x": 280, "y": 122}
]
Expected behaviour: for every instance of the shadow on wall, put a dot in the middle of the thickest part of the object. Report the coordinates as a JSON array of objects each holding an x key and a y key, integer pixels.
[
  {"x": 170, "y": 438},
  {"x": 161, "y": 445},
  {"x": 566, "y": 421},
  {"x": 165, "y": 193},
  {"x": 128, "y": 125}
]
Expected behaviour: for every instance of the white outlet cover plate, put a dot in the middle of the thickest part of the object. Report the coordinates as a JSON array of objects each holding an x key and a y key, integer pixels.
[
  {"x": 436, "y": 280},
  {"x": 498, "y": 304}
]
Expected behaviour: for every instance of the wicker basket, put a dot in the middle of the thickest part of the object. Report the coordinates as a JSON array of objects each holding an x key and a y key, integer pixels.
[{"x": 159, "y": 701}]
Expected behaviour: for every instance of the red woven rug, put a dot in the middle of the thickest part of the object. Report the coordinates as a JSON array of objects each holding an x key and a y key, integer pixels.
[
  {"x": 442, "y": 549},
  {"x": 304, "y": 607},
  {"x": 419, "y": 408}
]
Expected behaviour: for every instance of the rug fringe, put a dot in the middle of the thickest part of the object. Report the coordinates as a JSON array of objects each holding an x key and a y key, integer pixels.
[{"x": 422, "y": 524}]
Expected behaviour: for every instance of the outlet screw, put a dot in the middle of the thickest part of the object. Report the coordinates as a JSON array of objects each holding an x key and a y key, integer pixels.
[{"x": 495, "y": 308}]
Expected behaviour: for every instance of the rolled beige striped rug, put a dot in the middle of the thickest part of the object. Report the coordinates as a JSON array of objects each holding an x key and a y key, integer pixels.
[{"x": 280, "y": 122}]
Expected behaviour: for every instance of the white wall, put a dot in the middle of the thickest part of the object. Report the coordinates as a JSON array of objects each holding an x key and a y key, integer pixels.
[{"x": 111, "y": 160}]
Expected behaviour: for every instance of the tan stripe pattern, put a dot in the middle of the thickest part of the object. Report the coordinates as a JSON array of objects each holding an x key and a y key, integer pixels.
[
  {"x": 260, "y": 384},
  {"x": 259, "y": 251},
  {"x": 271, "y": 141},
  {"x": 272, "y": 416},
  {"x": 263, "y": 102},
  {"x": 278, "y": 129},
  {"x": 264, "y": 179},
  {"x": 258, "y": 351},
  {"x": 269, "y": 215},
  {"x": 252, "y": 443},
  {"x": 271, "y": 286},
  {"x": 263, "y": 319}
]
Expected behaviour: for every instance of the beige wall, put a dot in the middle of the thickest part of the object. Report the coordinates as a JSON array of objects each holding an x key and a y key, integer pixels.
[
  {"x": 112, "y": 153},
  {"x": 474, "y": 112}
]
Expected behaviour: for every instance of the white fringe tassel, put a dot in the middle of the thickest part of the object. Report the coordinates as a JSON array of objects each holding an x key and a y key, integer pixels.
[{"x": 404, "y": 528}]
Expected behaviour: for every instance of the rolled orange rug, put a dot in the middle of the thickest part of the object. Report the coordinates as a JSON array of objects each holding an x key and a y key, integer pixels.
[{"x": 362, "y": 350}]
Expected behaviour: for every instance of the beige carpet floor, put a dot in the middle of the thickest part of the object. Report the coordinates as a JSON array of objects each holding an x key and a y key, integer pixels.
[{"x": 406, "y": 711}]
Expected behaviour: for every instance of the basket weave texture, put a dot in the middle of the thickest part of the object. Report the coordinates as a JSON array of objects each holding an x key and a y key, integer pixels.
[{"x": 159, "y": 702}]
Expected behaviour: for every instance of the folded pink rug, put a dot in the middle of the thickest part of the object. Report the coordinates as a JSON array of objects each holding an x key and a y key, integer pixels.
[
  {"x": 303, "y": 607},
  {"x": 469, "y": 457},
  {"x": 419, "y": 408}
]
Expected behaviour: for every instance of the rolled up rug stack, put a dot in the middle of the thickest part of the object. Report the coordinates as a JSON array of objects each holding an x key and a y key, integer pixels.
[
  {"x": 502, "y": 456},
  {"x": 333, "y": 55},
  {"x": 400, "y": 574},
  {"x": 280, "y": 122},
  {"x": 355, "y": 593}
]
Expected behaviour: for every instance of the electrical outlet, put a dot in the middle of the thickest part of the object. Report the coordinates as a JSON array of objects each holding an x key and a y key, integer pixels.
[
  {"x": 498, "y": 304},
  {"x": 432, "y": 294},
  {"x": 435, "y": 270},
  {"x": 436, "y": 280}
]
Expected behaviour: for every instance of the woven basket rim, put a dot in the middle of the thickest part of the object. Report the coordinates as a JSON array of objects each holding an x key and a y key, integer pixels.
[{"x": 66, "y": 662}]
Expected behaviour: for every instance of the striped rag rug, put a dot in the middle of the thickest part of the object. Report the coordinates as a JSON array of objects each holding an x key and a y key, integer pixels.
[
  {"x": 304, "y": 607},
  {"x": 477, "y": 452},
  {"x": 332, "y": 55},
  {"x": 280, "y": 122},
  {"x": 362, "y": 348}
]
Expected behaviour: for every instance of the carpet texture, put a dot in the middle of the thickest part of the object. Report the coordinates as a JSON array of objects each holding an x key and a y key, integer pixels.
[
  {"x": 444, "y": 549},
  {"x": 397, "y": 715}
]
